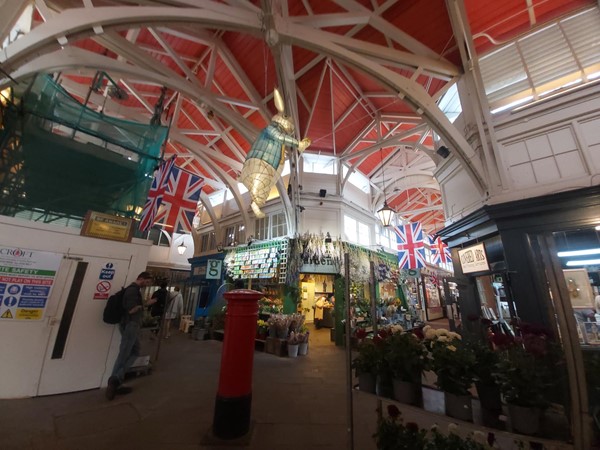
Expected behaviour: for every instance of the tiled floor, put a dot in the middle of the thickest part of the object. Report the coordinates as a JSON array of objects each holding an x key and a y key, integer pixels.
[{"x": 297, "y": 404}]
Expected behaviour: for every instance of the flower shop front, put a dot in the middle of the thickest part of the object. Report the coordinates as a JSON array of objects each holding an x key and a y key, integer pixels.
[{"x": 528, "y": 262}]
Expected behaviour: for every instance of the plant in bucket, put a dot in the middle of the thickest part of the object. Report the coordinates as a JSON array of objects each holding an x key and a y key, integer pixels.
[
  {"x": 303, "y": 335},
  {"x": 487, "y": 358},
  {"x": 261, "y": 329},
  {"x": 279, "y": 325},
  {"x": 393, "y": 434},
  {"x": 407, "y": 359},
  {"x": 293, "y": 345},
  {"x": 453, "y": 362},
  {"x": 365, "y": 363},
  {"x": 529, "y": 369}
]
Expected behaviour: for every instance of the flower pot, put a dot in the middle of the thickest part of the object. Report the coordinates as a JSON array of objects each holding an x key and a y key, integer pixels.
[
  {"x": 384, "y": 386},
  {"x": 458, "y": 406},
  {"x": 303, "y": 349},
  {"x": 282, "y": 333},
  {"x": 405, "y": 392},
  {"x": 489, "y": 396},
  {"x": 272, "y": 331},
  {"x": 366, "y": 382},
  {"x": 293, "y": 350},
  {"x": 524, "y": 419}
]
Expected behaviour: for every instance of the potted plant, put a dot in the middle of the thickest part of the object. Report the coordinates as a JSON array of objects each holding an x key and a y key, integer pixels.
[
  {"x": 527, "y": 372},
  {"x": 365, "y": 365},
  {"x": 407, "y": 359},
  {"x": 292, "y": 345},
  {"x": 453, "y": 362},
  {"x": 279, "y": 325},
  {"x": 261, "y": 329},
  {"x": 488, "y": 389},
  {"x": 303, "y": 340},
  {"x": 393, "y": 434}
]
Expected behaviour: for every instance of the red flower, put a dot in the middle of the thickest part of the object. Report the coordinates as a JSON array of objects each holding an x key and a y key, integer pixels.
[
  {"x": 535, "y": 344},
  {"x": 412, "y": 427},
  {"x": 418, "y": 332},
  {"x": 361, "y": 333},
  {"x": 393, "y": 411},
  {"x": 502, "y": 340}
]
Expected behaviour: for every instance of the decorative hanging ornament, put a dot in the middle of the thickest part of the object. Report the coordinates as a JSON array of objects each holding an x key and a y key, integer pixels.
[{"x": 264, "y": 162}]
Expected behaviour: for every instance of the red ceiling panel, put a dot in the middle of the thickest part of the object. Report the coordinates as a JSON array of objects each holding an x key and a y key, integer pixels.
[{"x": 336, "y": 120}]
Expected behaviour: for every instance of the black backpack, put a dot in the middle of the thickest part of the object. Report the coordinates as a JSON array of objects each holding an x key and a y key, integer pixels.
[{"x": 113, "y": 310}]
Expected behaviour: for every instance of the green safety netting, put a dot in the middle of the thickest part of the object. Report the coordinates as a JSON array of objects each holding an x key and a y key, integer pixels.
[{"x": 73, "y": 159}]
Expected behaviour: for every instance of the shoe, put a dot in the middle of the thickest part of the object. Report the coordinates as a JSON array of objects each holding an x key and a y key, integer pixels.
[
  {"x": 111, "y": 389},
  {"x": 167, "y": 336},
  {"x": 124, "y": 390}
]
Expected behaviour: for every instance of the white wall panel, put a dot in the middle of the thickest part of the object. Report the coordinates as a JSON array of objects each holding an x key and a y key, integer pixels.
[
  {"x": 522, "y": 176},
  {"x": 591, "y": 134},
  {"x": 545, "y": 170},
  {"x": 26, "y": 342}
]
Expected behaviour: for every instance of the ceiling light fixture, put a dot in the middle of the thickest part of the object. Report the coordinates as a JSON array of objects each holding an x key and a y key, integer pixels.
[
  {"x": 584, "y": 262},
  {"x": 181, "y": 248},
  {"x": 589, "y": 251},
  {"x": 386, "y": 213}
]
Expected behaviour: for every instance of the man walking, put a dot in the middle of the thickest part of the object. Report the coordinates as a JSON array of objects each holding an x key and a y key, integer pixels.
[{"x": 129, "y": 327}]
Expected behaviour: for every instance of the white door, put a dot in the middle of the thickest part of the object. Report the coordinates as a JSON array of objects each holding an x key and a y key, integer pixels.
[{"x": 79, "y": 341}]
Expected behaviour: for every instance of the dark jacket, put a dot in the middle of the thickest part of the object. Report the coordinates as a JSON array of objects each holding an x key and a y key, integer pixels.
[
  {"x": 131, "y": 298},
  {"x": 158, "y": 308}
]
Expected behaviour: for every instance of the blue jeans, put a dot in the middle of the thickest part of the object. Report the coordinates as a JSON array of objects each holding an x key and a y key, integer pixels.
[{"x": 129, "y": 349}]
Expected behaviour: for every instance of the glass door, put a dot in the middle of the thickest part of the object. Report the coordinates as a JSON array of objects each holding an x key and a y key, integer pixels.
[{"x": 563, "y": 292}]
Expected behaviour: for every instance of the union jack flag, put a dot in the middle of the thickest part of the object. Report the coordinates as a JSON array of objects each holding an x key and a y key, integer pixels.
[
  {"x": 411, "y": 246},
  {"x": 440, "y": 253},
  {"x": 155, "y": 194},
  {"x": 180, "y": 200}
]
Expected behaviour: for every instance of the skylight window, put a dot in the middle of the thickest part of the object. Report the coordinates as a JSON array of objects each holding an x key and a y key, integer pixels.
[
  {"x": 450, "y": 103},
  {"x": 358, "y": 179},
  {"x": 22, "y": 27},
  {"x": 543, "y": 63},
  {"x": 317, "y": 163}
]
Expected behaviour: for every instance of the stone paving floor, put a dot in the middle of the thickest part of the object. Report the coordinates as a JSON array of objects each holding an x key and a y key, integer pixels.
[{"x": 298, "y": 403}]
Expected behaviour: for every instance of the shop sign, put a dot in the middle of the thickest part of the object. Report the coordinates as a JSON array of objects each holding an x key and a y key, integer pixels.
[
  {"x": 473, "y": 259},
  {"x": 326, "y": 265},
  {"x": 213, "y": 269},
  {"x": 106, "y": 226}
]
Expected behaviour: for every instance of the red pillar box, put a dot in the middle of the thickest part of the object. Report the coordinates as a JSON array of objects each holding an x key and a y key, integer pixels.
[{"x": 234, "y": 397}]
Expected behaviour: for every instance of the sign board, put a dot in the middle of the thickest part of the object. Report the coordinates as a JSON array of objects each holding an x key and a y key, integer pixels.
[
  {"x": 26, "y": 279},
  {"x": 326, "y": 266},
  {"x": 473, "y": 259},
  {"x": 104, "y": 285},
  {"x": 213, "y": 269},
  {"x": 106, "y": 226}
]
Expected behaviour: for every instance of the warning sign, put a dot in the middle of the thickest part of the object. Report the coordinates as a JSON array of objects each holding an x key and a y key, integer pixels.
[
  {"x": 29, "y": 314},
  {"x": 26, "y": 279}
]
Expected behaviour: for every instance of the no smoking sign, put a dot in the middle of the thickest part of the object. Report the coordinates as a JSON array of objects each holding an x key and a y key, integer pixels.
[{"x": 102, "y": 290}]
